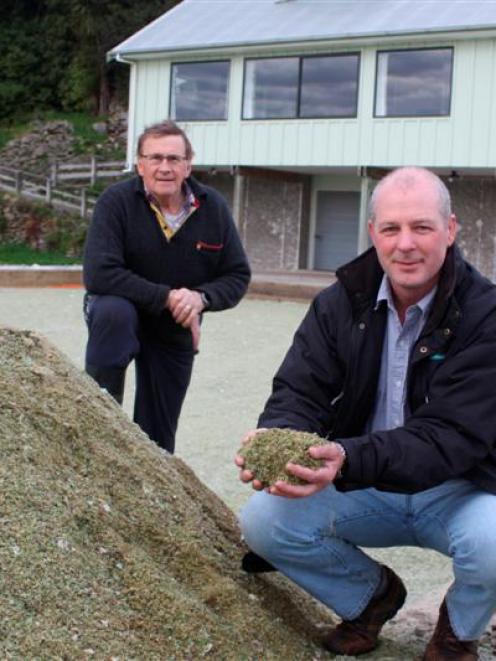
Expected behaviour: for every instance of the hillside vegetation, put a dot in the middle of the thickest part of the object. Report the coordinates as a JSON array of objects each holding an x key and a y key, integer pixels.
[
  {"x": 53, "y": 53},
  {"x": 35, "y": 232}
]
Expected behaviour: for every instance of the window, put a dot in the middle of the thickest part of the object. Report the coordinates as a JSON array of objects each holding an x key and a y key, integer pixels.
[
  {"x": 329, "y": 86},
  {"x": 290, "y": 87},
  {"x": 413, "y": 83},
  {"x": 199, "y": 91},
  {"x": 271, "y": 88}
]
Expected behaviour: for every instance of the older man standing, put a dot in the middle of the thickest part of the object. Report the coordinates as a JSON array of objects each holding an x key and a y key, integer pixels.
[
  {"x": 396, "y": 365},
  {"x": 161, "y": 250}
]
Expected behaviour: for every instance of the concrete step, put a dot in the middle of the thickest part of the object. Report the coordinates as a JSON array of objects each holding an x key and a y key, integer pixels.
[
  {"x": 298, "y": 285},
  {"x": 40, "y": 276},
  {"x": 294, "y": 285}
]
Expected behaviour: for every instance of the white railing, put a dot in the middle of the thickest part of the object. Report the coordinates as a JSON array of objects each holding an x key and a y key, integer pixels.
[
  {"x": 91, "y": 171},
  {"x": 35, "y": 187}
]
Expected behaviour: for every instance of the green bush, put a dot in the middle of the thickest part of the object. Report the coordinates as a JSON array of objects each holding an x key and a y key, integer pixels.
[{"x": 61, "y": 235}]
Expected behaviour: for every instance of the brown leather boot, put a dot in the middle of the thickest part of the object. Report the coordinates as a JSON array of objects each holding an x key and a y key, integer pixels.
[
  {"x": 361, "y": 635},
  {"x": 444, "y": 645}
]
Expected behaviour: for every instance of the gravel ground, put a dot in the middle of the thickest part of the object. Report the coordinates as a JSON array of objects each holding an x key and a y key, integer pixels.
[{"x": 240, "y": 350}]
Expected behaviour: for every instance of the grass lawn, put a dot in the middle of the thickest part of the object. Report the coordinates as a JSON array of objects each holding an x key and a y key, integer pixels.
[{"x": 17, "y": 253}]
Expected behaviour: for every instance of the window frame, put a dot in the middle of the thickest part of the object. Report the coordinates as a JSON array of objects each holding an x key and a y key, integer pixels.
[
  {"x": 300, "y": 59},
  {"x": 416, "y": 50},
  {"x": 281, "y": 117},
  {"x": 200, "y": 62}
]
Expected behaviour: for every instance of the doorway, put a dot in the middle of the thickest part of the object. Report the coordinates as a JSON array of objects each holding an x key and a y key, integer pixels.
[{"x": 336, "y": 229}]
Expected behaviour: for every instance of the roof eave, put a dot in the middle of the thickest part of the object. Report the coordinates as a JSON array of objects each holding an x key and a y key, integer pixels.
[{"x": 129, "y": 55}]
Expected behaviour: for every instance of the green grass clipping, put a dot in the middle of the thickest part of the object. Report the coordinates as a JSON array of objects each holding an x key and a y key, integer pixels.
[
  {"x": 268, "y": 453},
  {"x": 113, "y": 549}
]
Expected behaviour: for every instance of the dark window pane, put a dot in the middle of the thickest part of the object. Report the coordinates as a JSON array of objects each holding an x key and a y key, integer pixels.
[
  {"x": 271, "y": 88},
  {"x": 329, "y": 86},
  {"x": 414, "y": 83},
  {"x": 199, "y": 91}
]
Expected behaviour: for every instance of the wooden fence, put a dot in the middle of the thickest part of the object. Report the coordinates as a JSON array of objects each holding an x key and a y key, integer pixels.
[
  {"x": 90, "y": 171},
  {"x": 42, "y": 189},
  {"x": 45, "y": 189}
]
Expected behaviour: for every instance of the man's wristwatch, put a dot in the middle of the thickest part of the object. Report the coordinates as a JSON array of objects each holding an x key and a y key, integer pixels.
[{"x": 205, "y": 300}]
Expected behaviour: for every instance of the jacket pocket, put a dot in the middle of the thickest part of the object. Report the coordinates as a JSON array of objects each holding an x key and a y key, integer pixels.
[{"x": 208, "y": 247}]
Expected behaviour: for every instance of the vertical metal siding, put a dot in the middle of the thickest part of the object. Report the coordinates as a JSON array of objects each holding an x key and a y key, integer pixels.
[
  {"x": 466, "y": 138},
  {"x": 151, "y": 100},
  {"x": 482, "y": 108},
  {"x": 461, "y": 105},
  {"x": 491, "y": 141}
]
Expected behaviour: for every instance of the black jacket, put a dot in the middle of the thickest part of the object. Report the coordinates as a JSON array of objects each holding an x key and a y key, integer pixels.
[
  {"x": 127, "y": 255},
  {"x": 327, "y": 382}
]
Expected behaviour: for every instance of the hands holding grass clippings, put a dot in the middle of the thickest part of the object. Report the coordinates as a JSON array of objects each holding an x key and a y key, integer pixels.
[{"x": 289, "y": 463}]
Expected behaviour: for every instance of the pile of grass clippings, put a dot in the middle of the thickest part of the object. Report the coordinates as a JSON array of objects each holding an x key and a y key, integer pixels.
[
  {"x": 268, "y": 452},
  {"x": 113, "y": 549}
]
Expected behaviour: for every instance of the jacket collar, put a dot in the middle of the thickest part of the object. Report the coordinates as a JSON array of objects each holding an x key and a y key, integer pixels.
[{"x": 362, "y": 277}]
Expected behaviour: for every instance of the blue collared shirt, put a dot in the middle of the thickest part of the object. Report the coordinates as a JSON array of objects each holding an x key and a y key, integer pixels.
[{"x": 398, "y": 342}]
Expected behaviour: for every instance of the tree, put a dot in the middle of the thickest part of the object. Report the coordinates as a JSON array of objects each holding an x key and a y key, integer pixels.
[{"x": 54, "y": 51}]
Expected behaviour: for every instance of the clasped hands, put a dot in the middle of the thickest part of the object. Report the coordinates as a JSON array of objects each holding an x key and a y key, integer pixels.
[
  {"x": 316, "y": 479},
  {"x": 186, "y": 305}
]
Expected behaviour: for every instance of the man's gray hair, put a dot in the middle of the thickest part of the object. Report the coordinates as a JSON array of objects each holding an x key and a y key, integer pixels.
[
  {"x": 161, "y": 130},
  {"x": 406, "y": 178}
]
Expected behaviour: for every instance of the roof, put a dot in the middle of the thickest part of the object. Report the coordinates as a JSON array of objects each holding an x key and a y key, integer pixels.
[{"x": 209, "y": 24}]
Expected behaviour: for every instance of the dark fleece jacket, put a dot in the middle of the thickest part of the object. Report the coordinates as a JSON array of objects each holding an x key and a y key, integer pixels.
[{"x": 127, "y": 255}]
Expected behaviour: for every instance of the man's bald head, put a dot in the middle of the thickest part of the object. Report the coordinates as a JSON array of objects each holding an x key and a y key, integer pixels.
[{"x": 407, "y": 178}]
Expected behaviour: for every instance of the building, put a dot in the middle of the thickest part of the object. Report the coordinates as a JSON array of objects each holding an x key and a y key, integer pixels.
[{"x": 295, "y": 108}]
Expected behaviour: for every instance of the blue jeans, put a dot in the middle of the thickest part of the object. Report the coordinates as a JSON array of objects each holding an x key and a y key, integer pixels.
[{"x": 315, "y": 542}]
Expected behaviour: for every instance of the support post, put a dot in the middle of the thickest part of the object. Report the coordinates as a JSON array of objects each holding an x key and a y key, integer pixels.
[
  {"x": 363, "y": 235},
  {"x": 18, "y": 182},
  {"x": 93, "y": 173},
  {"x": 238, "y": 192},
  {"x": 48, "y": 192},
  {"x": 54, "y": 173},
  {"x": 84, "y": 204}
]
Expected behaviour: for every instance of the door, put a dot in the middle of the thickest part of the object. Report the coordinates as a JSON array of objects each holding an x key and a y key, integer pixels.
[{"x": 336, "y": 233}]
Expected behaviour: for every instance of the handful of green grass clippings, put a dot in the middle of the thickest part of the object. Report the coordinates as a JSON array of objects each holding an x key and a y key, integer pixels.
[{"x": 267, "y": 454}]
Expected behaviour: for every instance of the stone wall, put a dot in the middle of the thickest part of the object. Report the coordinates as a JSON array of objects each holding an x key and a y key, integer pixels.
[
  {"x": 474, "y": 202},
  {"x": 47, "y": 142},
  {"x": 271, "y": 221},
  {"x": 274, "y": 215}
]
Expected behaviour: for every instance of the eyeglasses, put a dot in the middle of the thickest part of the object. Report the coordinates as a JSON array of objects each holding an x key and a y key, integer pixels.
[{"x": 156, "y": 159}]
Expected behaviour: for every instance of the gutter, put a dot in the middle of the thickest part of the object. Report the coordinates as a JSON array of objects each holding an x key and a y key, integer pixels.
[
  {"x": 110, "y": 57},
  {"x": 364, "y": 39}
]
